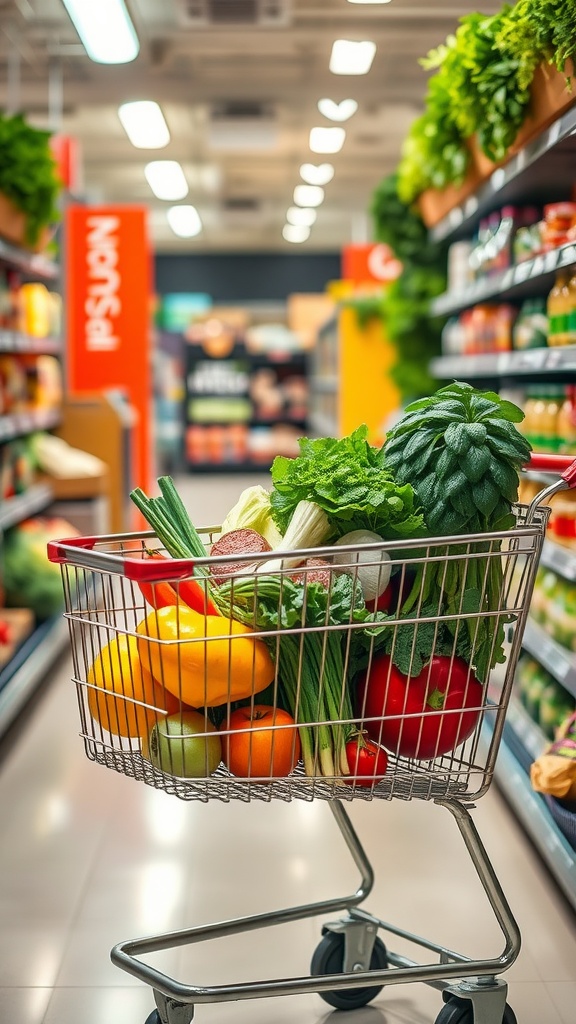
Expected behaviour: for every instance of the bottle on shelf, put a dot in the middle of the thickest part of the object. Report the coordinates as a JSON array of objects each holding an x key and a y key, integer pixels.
[
  {"x": 558, "y": 307},
  {"x": 566, "y": 423}
]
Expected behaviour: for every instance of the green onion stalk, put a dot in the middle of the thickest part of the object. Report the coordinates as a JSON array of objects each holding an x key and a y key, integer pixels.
[{"x": 310, "y": 665}]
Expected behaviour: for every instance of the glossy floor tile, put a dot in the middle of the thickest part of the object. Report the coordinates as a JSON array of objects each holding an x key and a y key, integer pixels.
[{"x": 89, "y": 857}]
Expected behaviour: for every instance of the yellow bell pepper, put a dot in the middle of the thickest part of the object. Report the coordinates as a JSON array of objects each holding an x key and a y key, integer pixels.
[{"x": 204, "y": 660}]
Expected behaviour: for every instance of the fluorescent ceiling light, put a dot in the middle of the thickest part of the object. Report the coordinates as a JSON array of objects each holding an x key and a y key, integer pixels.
[
  {"x": 295, "y": 233},
  {"x": 368, "y": 1},
  {"x": 317, "y": 174},
  {"x": 301, "y": 216},
  {"x": 144, "y": 124},
  {"x": 327, "y": 140},
  {"x": 166, "y": 179},
  {"x": 308, "y": 195},
  {"x": 342, "y": 111},
  {"x": 105, "y": 28},
  {"x": 352, "y": 58},
  {"x": 184, "y": 221}
]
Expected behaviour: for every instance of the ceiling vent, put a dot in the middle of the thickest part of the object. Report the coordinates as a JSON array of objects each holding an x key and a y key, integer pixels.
[
  {"x": 238, "y": 127},
  {"x": 267, "y": 13}
]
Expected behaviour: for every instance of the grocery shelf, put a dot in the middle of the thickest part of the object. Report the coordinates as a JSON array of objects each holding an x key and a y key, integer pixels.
[
  {"x": 560, "y": 559},
  {"x": 532, "y": 277},
  {"x": 552, "y": 364},
  {"x": 15, "y": 510},
  {"x": 526, "y": 729},
  {"x": 542, "y": 171},
  {"x": 532, "y": 812},
  {"x": 21, "y": 423},
  {"x": 23, "y": 674},
  {"x": 31, "y": 264},
  {"x": 559, "y": 661},
  {"x": 16, "y": 341}
]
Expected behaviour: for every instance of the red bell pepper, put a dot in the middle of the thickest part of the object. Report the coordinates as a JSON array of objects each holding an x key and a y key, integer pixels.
[
  {"x": 445, "y": 685},
  {"x": 191, "y": 592}
]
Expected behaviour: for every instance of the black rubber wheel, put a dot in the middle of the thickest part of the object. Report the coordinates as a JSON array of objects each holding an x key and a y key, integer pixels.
[
  {"x": 154, "y": 1018},
  {"x": 460, "y": 1011},
  {"x": 329, "y": 959}
]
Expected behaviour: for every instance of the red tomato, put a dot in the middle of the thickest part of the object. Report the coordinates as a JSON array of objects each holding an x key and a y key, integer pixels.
[
  {"x": 445, "y": 684},
  {"x": 383, "y": 602},
  {"x": 262, "y": 751},
  {"x": 367, "y": 761}
]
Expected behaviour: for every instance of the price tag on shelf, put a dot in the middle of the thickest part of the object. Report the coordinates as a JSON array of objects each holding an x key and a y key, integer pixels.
[
  {"x": 523, "y": 272},
  {"x": 529, "y": 359},
  {"x": 567, "y": 256}
]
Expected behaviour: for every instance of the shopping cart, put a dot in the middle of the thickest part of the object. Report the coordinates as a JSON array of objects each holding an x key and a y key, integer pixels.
[{"x": 135, "y": 665}]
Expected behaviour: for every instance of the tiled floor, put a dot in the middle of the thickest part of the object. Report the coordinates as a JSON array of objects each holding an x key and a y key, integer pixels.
[{"x": 89, "y": 857}]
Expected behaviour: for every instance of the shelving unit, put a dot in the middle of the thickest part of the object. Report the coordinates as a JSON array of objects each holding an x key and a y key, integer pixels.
[
  {"x": 517, "y": 282},
  {"x": 35, "y": 653},
  {"x": 543, "y": 171},
  {"x": 540, "y": 171},
  {"x": 223, "y": 415},
  {"x": 15, "y": 341}
]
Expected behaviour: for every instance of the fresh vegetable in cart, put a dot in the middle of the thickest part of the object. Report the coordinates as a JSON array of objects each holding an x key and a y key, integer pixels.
[{"x": 329, "y": 662}]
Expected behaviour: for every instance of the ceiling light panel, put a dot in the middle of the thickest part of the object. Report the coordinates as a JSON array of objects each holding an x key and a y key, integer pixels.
[
  {"x": 105, "y": 28},
  {"x": 308, "y": 195},
  {"x": 184, "y": 221},
  {"x": 301, "y": 216},
  {"x": 352, "y": 58},
  {"x": 166, "y": 179},
  {"x": 342, "y": 111},
  {"x": 295, "y": 233},
  {"x": 317, "y": 174},
  {"x": 144, "y": 124},
  {"x": 327, "y": 140}
]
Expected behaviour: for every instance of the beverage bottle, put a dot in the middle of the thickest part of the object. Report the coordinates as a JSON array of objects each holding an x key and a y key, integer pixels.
[
  {"x": 571, "y": 331},
  {"x": 566, "y": 424},
  {"x": 554, "y": 309}
]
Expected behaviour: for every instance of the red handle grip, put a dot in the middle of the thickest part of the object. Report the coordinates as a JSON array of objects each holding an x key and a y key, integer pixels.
[{"x": 560, "y": 465}]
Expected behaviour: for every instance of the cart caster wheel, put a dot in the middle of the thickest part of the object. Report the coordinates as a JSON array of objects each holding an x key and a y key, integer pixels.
[
  {"x": 154, "y": 1018},
  {"x": 329, "y": 959},
  {"x": 460, "y": 1011}
]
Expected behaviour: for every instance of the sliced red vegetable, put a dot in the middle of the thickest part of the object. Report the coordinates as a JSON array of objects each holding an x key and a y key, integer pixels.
[
  {"x": 192, "y": 592},
  {"x": 367, "y": 761},
  {"x": 445, "y": 685},
  {"x": 314, "y": 570}
]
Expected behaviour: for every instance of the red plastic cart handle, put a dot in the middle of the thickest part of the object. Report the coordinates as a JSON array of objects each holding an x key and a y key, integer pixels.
[{"x": 561, "y": 465}]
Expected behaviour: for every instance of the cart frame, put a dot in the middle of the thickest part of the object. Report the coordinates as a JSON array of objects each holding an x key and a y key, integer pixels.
[{"x": 473, "y": 984}]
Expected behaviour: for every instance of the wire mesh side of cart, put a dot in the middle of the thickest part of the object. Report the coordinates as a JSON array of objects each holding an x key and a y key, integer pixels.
[{"x": 130, "y": 676}]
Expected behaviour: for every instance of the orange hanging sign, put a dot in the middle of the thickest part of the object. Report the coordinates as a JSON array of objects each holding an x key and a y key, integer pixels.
[
  {"x": 373, "y": 262},
  {"x": 108, "y": 302}
]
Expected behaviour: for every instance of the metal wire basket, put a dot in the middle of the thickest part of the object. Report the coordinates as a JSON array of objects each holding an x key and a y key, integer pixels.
[{"x": 132, "y": 673}]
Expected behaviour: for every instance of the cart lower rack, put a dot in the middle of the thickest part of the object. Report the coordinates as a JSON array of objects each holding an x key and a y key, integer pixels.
[{"x": 279, "y": 681}]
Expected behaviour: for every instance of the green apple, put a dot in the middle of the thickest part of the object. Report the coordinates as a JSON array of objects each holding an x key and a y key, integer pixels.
[{"x": 179, "y": 745}]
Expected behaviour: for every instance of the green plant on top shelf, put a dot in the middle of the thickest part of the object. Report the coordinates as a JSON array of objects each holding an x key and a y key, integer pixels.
[
  {"x": 542, "y": 30},
  {"x": 482, "y": 81},
  {"x": 434, "y": 153},
  {"x": 28, "y": 174},
  {"x": 480, "y": 87}
]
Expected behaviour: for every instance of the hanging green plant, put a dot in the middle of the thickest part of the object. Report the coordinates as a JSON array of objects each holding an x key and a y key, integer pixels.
[{"x": 28, "y": 174}]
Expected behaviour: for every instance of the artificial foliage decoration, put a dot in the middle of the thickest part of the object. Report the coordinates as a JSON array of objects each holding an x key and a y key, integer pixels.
[
  {"x": 403, "y": 307},
  {"x": 28, "y": 173},
  {"x": 480, "y": 88}
]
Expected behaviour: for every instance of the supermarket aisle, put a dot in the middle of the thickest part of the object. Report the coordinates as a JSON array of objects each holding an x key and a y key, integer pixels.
[{"x": 89, "y": 857}]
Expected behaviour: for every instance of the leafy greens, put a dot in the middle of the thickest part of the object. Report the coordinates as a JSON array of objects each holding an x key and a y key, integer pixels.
[{"x": 348, "y": 478}]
